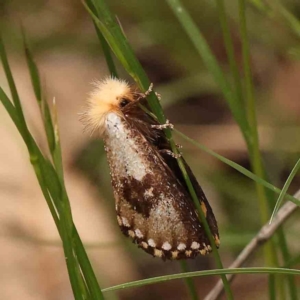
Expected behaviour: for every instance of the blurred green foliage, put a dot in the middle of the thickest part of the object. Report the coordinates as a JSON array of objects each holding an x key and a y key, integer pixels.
[{"x": 189, "y": 93}]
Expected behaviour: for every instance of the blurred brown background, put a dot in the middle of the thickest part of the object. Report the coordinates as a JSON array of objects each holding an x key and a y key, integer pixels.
[{"x": 69, "y": 57}]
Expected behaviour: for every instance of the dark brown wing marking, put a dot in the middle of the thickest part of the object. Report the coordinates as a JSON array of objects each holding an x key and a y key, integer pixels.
[{"x": 142, "y": 121}]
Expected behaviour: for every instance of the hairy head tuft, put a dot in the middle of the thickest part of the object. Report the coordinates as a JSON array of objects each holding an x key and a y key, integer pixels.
[{"x": 109, "y": 95}]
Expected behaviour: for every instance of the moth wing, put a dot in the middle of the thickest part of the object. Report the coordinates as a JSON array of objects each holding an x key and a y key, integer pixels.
[{"x": 156, "y": 137}]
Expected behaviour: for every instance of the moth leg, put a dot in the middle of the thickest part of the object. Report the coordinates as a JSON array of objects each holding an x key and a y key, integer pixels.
[
  {"x": 150, "y": 89},
  {"x": 147, "y": 93},
  {"x": 158, "y": 96},
  {"x": 169, "y": 152},
  {"x": 163, "y": 126}
]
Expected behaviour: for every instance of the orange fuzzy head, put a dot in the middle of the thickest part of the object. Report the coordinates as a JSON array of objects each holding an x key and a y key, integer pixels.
[{"x": 109, "y": 95}]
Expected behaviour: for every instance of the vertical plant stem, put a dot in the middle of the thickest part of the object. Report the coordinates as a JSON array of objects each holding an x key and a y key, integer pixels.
[
  {"x": 272, "y": 290},
  {"x": 105, "y": 47},
  {"x": 229, "y": 46},
  {"x": 108, "y": 57},
  {"x": 270, "y": 254},
  {"x": 212, "y": 65},
  {"x": 50, "y": 180},
  {"x": 189, "y": 282},
  {"x": 255, "y": 157},
  {"x": 15, "y": 97},
  {"x": 291, "y": 282}
]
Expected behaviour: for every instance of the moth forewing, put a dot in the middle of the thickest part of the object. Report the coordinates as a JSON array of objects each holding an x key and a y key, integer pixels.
[{"x": 153, "y": 205}]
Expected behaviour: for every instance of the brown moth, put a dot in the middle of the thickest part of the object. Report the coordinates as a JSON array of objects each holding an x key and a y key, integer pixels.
[{"x": 153, "y": 205}]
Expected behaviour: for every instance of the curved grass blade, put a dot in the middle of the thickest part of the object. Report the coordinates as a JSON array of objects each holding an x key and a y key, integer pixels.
[
  {"x": 284, "y": 189},
  {"x": 105, "y": 47},
  {"x": 237, "y": 167},
  {"x": 160, "y": 279},
  {"x": 15, "y": 96},
  {"x": 59, "y": 207},
  {"x": 43, "y": 105},
  {"x": 211, "y": 63}
]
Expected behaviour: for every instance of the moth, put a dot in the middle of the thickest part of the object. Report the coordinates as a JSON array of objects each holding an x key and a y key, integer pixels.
[{"x": 153, "y": 205}]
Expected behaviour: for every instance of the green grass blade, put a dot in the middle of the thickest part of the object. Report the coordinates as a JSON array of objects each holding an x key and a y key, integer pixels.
[
  {"x": 237, "y": 167},
  {"x": 259, "y": 5},
  {"x": 272, "y": 289},
  {"x": 52, "y": 133},
  {"x": 122, "y": 50},
  {"x": 57, "y": 157},
  {"x": 48, "y": 124},
  {"x": 290, "y": 19},
  {"x": 254, "y": 152},
  {"x": 291, "y": 280},
  {"x": 90, "y": 278},
  {"x": 292, "y": 262},
  {"x": 43, "y": 105},
  {"x": 211, "y": 63},
  {"x": 50, "y": 128},
  {"x": 86, "y": 268},
  {"x": 105, "y": 47},
  {"x": 265, "y": 200},
  {"x": 229, "y": 46},
  {"x": 10, "y": 109},
  {"x": 277, "y": 11},
  {"x": 15, "y": 96},
  {"x": 189, "y": 281},
  {"x": 45, "y": 192},
  {"x": 36, "y": 164},
  {"x": 50, "y": 184},
  {"x": 33, "y": 70},
  {"x": 12, "y": 113},
  {"x": 284, "y": 189},
  {"x": 160, "y": 279},
  {"x": 74, "y": 275},
  {"x": 251, "y": 113}
]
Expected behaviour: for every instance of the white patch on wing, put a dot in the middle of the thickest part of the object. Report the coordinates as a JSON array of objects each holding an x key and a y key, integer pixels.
[
  {"x": 124, "y": 149},
  {"x": 181, "y": 246},
  {"x": 119, "y": 221},
  {"x": 166, "y": 246},
  {"x": 149, "y": 193},
  {"x": 151, "y": 243},
  {"x": 139, "y": 233},
  {"x": 125, "y": 222},
  {"x": 195, "y": 245}
]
